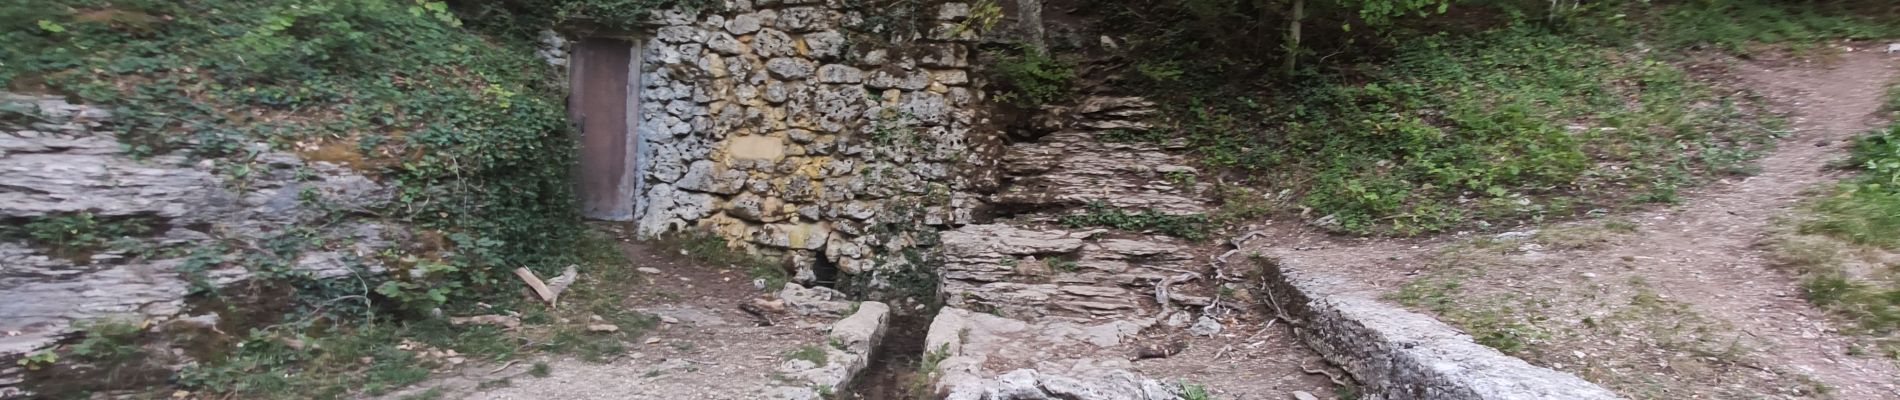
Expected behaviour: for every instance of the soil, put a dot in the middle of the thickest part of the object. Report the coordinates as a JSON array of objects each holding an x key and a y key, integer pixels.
[
  {"x": 705, "y": 348},
  {"x": 1680, "y": 302}
]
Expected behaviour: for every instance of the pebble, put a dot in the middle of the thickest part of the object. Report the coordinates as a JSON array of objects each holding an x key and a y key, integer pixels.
[
  {"x": 649, "y": 270},
  {"x": 1303, "y": 395}
]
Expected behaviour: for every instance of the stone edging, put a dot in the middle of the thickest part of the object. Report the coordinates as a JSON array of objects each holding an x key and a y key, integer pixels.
[{"x": 1403, "y": 355}]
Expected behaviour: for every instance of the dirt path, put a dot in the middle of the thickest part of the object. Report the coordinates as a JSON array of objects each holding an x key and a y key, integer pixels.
[{"x": 1711, "y": 315}]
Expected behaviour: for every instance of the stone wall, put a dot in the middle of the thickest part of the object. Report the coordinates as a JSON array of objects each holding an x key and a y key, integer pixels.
[{"x": 786, "y": 128}]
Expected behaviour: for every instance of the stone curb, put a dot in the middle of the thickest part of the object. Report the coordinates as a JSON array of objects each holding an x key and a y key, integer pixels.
[{"x": 1402, "y": 355}]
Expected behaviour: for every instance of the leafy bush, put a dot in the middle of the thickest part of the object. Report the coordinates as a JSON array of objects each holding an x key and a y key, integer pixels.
[{"x": 1028, "y": 77}]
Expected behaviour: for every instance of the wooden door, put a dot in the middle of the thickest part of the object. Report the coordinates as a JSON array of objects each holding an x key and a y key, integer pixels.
[{"x": 601, "y": 81}]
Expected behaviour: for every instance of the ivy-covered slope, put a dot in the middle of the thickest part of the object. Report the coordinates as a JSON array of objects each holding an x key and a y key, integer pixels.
[{"x": 469, "y": 130}]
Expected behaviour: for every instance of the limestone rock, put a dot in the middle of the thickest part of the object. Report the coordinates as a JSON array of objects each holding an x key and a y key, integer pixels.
[
  {"x": 790, "y": 68},
  {"x": 742, "y": 24},
  {"x": 803, "y": 19},
  {"x": 771, "y": 43},
  {"x": 817, "y": 300},
  {"x": 705, "y": 176},
  {"x": 836, "y": 73},
  {"x": 827, "y": 45}
]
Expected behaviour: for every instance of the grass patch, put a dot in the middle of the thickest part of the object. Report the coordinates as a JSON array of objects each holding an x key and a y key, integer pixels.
[
  {"x": 812, "y": 353},
  {"x": 1736, "y": 25},
  {"x": 1194, "y": 227},
  {"x": 1842, "y": 245},
  {"x": 1508, "y": 125},
  {"x": 715, "y": 250}
]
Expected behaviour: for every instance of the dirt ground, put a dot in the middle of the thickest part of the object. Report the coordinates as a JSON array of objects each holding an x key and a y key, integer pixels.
[
  {"x": 704, "y": 348},
  {"x": 1675, "y": 302}
]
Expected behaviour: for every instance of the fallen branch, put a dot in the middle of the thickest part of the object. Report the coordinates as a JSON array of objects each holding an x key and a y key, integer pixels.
[{"x": 540, "y": 288}]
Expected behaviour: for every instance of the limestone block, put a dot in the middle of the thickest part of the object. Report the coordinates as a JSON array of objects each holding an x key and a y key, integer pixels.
[
  {"x": 826, "y": 45},
  {"x": 837, "y": 73},
  {"x": 724, "y": 43},
  {"x": 804, "y": 19},
  {"x": 771, "y": 43},
  {"x": 790, "y": 68},
  {"x": 706, "y": 176},
  {"x": 743, "y": 24}
]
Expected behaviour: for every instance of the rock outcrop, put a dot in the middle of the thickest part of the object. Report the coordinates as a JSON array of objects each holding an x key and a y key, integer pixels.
[{"x": 64, "y": 164}]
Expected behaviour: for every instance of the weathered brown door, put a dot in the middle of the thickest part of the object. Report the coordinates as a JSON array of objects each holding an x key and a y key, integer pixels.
[{"x": 601, "y": 79}]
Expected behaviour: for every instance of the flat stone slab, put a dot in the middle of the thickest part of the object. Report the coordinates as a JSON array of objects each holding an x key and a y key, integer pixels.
[{"x": 1403, "y": 355}]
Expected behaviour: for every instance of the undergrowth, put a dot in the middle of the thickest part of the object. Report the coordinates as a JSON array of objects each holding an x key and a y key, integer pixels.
[
  {"x": 1513, "y": 124},
  {"x": 1194, "y": 227},
  {"x": 463, "y": 124},
  {"x": 1841, "y": 246}
]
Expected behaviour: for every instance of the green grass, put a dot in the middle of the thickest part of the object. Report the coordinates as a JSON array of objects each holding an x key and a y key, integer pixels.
[
  {"x": 1194, "y": 227},
  {"x": 1831, "y": 243},
  {"x": 714, "y": 250},
  {"x": 1507, "y": 125},
  {"x": 811, "y": 352},
  {"x": 1735, "y": 25},
  {"x": 78, "y": 235}
]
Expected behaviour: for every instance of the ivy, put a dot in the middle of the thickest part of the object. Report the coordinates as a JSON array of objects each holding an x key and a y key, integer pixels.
[{"x": 468, "y": 130}]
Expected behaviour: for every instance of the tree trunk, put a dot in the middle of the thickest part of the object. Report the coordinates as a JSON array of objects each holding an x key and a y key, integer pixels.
[{"x": 1293, "y": 37}]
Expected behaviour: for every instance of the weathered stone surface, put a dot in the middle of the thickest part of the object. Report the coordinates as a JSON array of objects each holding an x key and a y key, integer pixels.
[
  {"x": 706, "y": 176},
  {"x": 60, "y": 165},
  {"x": 836, "y": 73},
  {"x": 827, "y": 45},
  {"x": 969, "y": 343},
  {"x": 816, "y": 300},
  {"x": 742, "y": 24},
  {"x": 790, "y": 68},
  {"x": 770, "y": 43},
  {"x": 750, "y": 125},
  {"x": 1404, "y": 355},
  {"x": 803, "y": 19},
  {"x": 905, "y": 80},
  {"x": 724, "y": 43},
  {"x": 847, "y": 349}
]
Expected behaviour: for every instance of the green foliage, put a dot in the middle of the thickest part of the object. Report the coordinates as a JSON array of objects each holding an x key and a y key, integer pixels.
[
  {"x": 1733, "y": 25},
  {"x": 77, "y": 235},
  {"x": 1194, "y": 227},
  {"x": 1194, "y": 391},
  {"x": 525, "y": 17},
  {"x": 108, "y": 341},
  {"x": 1866, "y": 209},
  {"x": 1027, "y": 77},
  {"x": 1862, "y": 212},
  {"x": 1505, "y": 125},
  {"x": 540, "y": 370},
  {"x": 38, "y": 360},
  {"x": 469, "y": 131},
  {"x": 713, "y": 249},
  {"x": 812, "y": 353},
  {"x": 921, "y": 380},
  {"x": 271, "y": 365}
]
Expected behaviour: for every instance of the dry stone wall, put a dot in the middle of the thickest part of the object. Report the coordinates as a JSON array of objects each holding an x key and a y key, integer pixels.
[{"x": 778, "y": 125}]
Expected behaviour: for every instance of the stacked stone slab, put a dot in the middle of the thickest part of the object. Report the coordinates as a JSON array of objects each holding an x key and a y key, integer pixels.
[
  {"x": 774, "y": 124},
  {"x": 1035, "y": 310}
]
